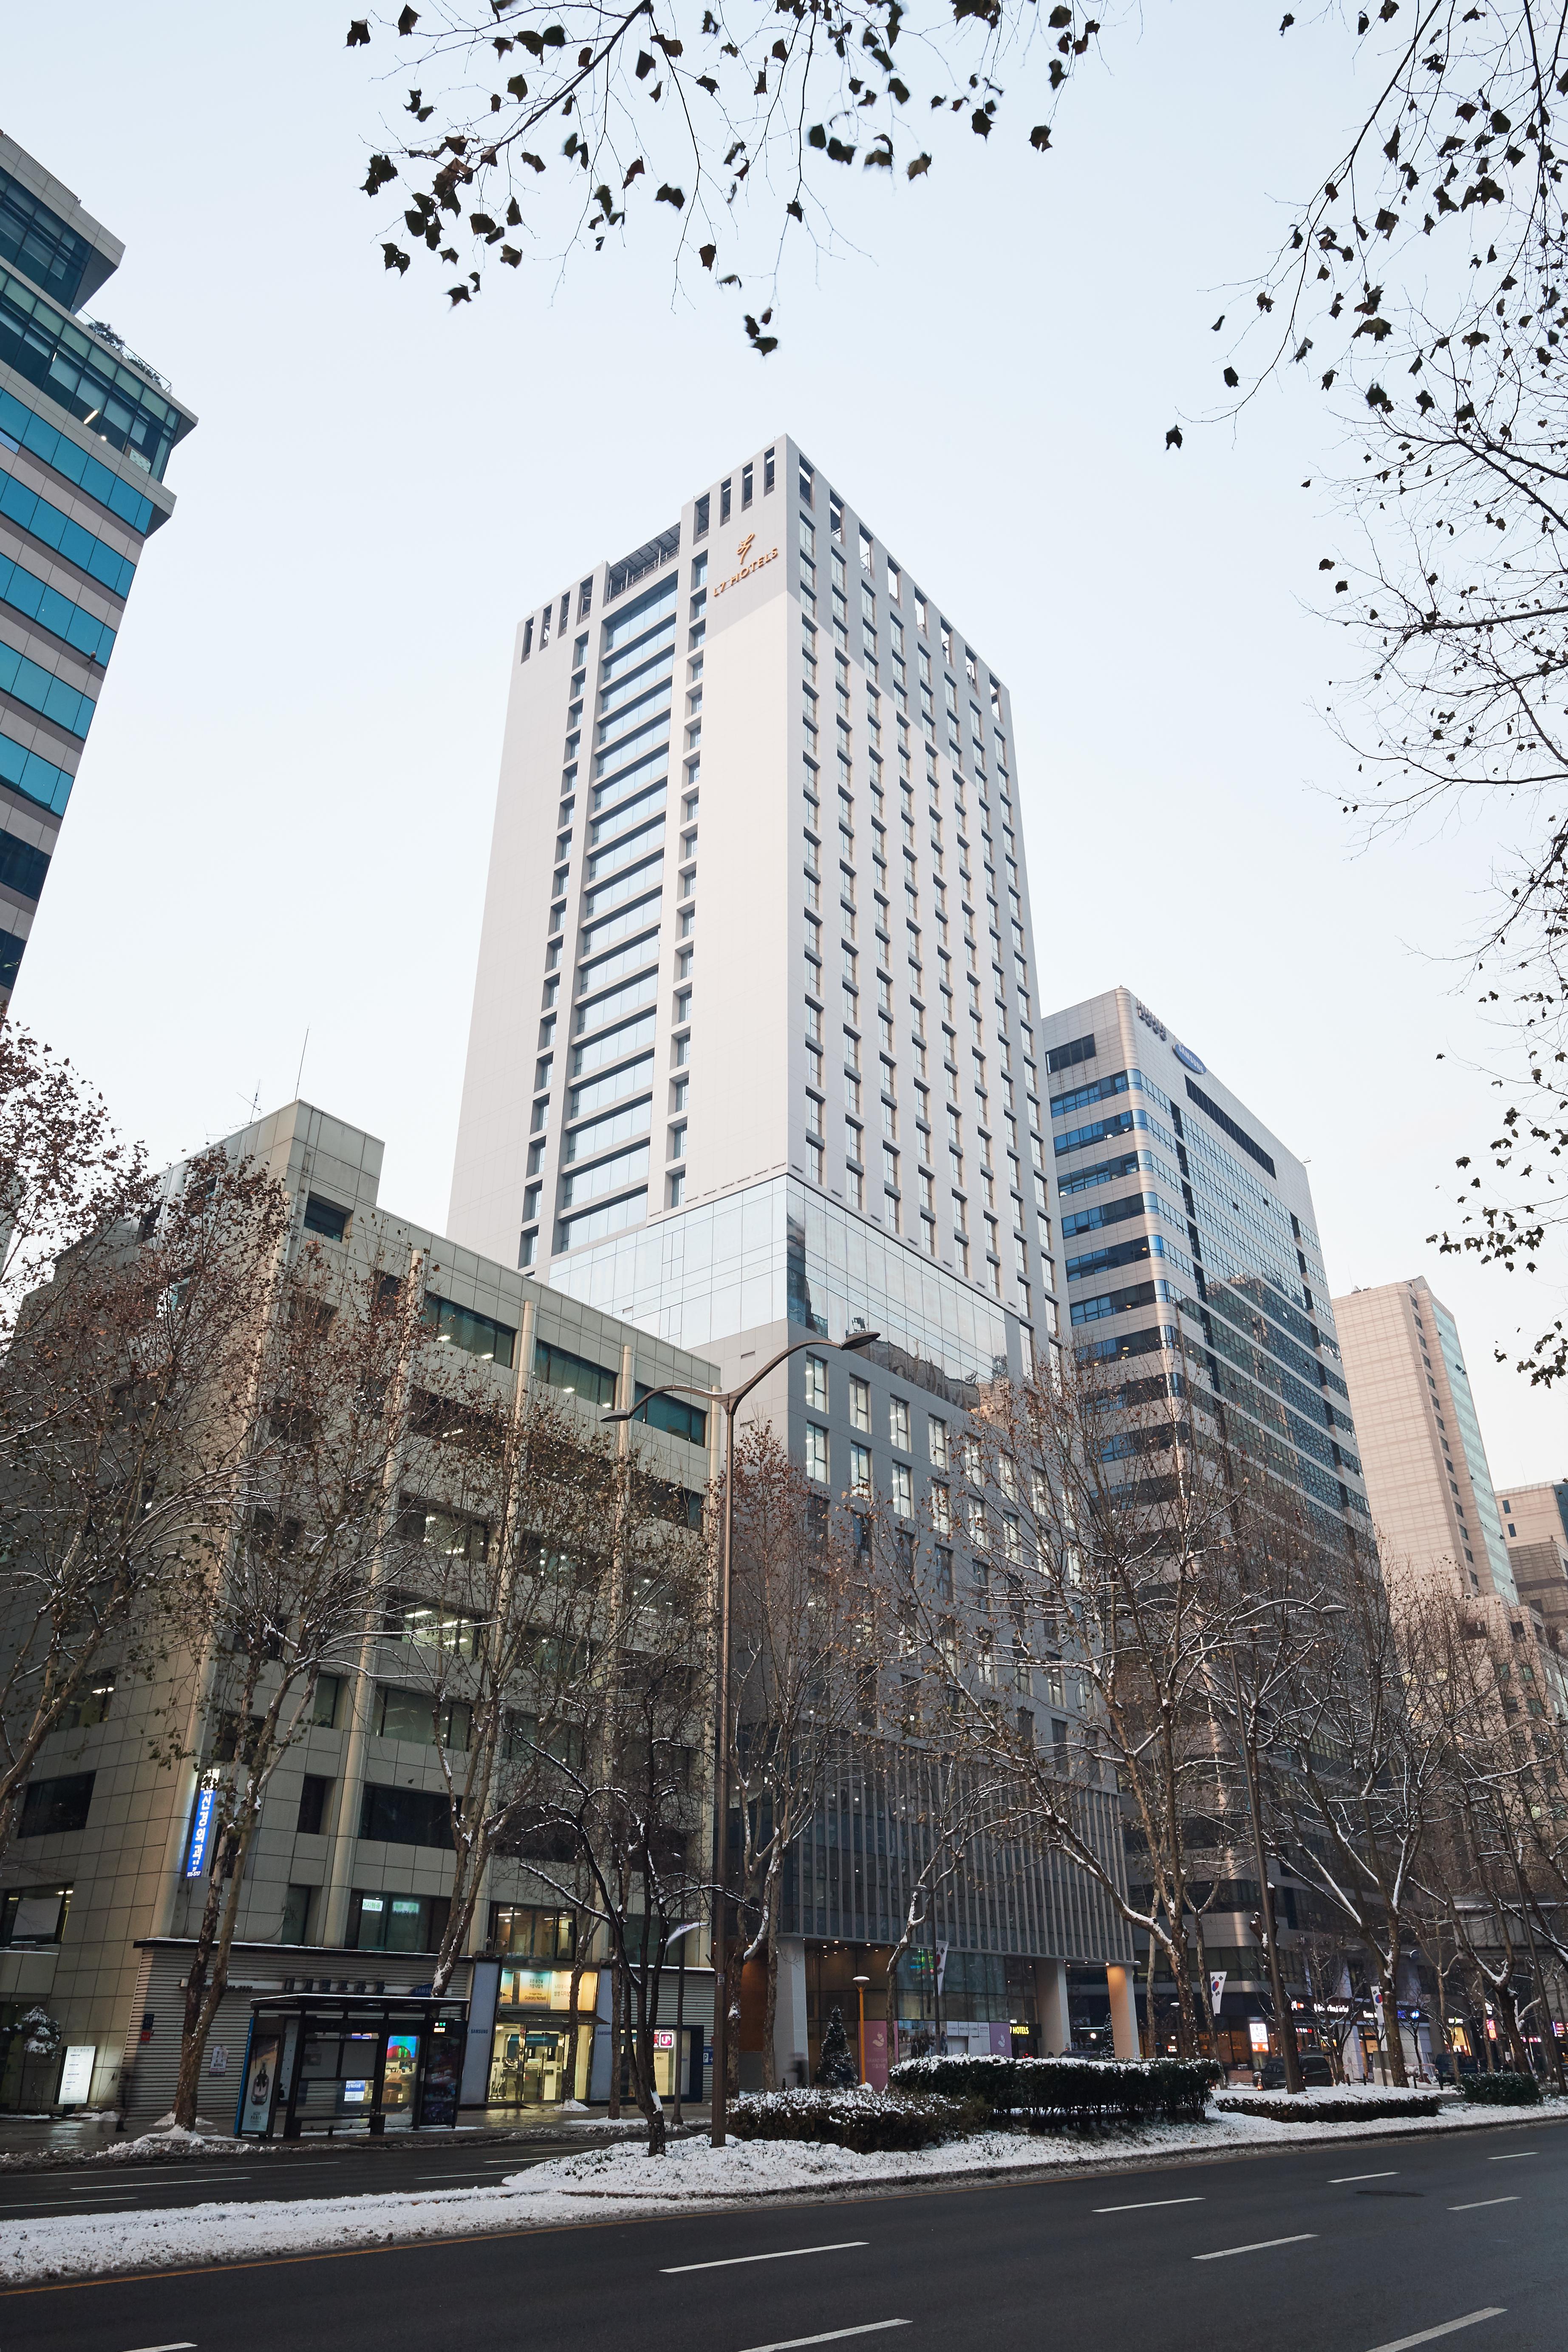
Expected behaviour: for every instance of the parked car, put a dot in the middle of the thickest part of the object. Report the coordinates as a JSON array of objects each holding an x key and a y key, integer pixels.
[{"x": 1316, "y": 2072}]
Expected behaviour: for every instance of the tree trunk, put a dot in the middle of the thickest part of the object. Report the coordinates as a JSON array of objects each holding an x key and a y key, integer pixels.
[
  {"x": 573, "y": 2022},
  {"x": 207, "y": 1980},
  {"x": 616, "y": 2023},
  {"x": 1151, "y": 2049},
  {"x": 733, "y": 1963},
  {"x": 770, "y": 1998},
  {"x": 1393, "y": 2039}
]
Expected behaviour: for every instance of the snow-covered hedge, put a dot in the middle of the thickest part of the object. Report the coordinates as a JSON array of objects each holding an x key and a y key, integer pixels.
[
  {"x": 1501, "y": 2090},
  {"x": 1321, "y": 2106},
  {"x": 873, "y": 2123},
  {"x": 1049, "y": 2091}
]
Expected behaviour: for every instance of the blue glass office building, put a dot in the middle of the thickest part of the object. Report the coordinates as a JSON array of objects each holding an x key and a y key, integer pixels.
[{"x": 86, "y": 432}]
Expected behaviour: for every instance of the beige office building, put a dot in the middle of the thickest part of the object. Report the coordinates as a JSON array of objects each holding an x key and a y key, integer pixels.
[
  {"x": 1535, "y": 1524},
  {"x": 347, "y": 1883},
  {"x": 1421, "y": 1448}
]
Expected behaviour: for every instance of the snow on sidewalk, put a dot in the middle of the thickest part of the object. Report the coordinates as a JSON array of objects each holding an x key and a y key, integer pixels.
[{"x": 609, "y": 2182}]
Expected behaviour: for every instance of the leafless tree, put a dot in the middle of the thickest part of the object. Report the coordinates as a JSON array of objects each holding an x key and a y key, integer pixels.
[
  {"x": 1095, "y": 1512},
  {"x": 624, "y": 1815},
  {"x": 283, "y": 1594},
  {"x": 1358, "y": 1781},
  {"x": 509, "y": 1522},
  {"x": 124, "y": 1394}
]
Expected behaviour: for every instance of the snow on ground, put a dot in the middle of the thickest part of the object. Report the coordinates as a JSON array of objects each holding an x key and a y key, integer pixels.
[{"x": 606, "y": 2181}]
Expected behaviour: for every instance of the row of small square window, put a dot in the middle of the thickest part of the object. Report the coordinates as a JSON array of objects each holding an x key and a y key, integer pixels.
[{"x": 808, "y": 487}]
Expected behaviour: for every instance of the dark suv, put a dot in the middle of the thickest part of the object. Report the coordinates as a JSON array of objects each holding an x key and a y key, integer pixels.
[{"x": 1316, "y": 2072}]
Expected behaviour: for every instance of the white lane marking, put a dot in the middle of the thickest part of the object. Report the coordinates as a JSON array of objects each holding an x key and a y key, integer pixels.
[
  {"x": 175, "y": 2174},
  {"x": 165, "y": 2347},
  {"x": 1514, "y": 2156},
  {"x": 784, "y": 2255},
  {"x": 105, "y": 2197},
  {"x": 1150, "y": 2207},
  {"x": 833, "y": 2336},
  {"x": 1340, "y": 2178},
  {"x": 1430, "y": 2335},
  {"x": 1259, "y": 2246},
  {"x": 1476, "y": 2204}
]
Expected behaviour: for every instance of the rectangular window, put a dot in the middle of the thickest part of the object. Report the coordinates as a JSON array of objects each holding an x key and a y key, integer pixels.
[
  {"x": 396, "y": 1816},
  {"x": 674, "y": 1415},
  {"x": 898, "y": 1422},
  {"x": 412, "y": 1715},
  {"x": 700, "y": 520},
  {"x": 397, "y": 1923},
  {"x": 34, "y": 1915},
  {"x": 767, "y": 472},
  {"x": 816, "y": 1452},
  {"x": 860, "y": 1471},
  {"x": 903, "y": 1490},
  {"x": 573, "y": 1375},
  {"x": 936, "y": 1441},
  {"x": 466, "y": 1327},
  {"x": 816, "y": 1383},
  {"x": 723, "y": 502},
  {"x": 54, "y": 1808},
  {"x": 744, "y": 487},
  {"x": 860, "y": 1404},
  {"x": 325, "y": 1217},
  {"x": 314, "y": 1792}
]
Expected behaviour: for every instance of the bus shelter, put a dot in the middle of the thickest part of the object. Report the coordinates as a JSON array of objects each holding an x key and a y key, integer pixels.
[{"x": 350, "y": 2063}]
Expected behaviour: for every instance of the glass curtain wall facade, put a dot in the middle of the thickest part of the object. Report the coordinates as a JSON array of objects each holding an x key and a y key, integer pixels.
[
  {"x": 86, "y": 432},
  {"x": 1185, "y": 1227}
]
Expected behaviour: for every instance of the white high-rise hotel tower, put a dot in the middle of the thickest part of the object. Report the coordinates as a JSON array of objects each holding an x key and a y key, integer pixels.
[
  {"x": 753, "y": 1038},
  {"x": 754, "y": 1057}
]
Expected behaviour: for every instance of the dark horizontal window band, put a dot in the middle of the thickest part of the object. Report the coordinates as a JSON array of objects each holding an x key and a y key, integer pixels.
[
  {"x": 23, "y": 867},
  {"x": 1223, "y": 1119},
  {"x": 1067, "y": 1057}
]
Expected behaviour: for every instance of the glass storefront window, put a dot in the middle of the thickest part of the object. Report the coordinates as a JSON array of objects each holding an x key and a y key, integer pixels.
[
  {"x": 530, "y": 2055},
  {"x": 528, "y": 2062}
]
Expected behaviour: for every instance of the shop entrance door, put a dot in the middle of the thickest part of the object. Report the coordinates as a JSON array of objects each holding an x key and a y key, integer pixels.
[{"x": 544, "y": 2055}]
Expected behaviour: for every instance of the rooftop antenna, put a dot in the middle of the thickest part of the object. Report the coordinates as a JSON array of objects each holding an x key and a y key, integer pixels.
[{"x": 300, "y": 1073}]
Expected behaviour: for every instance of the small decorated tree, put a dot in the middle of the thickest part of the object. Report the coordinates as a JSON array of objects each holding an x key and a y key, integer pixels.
[{"x": 836, "y": 2068}]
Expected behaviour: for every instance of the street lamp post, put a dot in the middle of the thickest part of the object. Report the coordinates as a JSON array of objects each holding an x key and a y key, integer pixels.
[
  {"x": 678, "y": 1935},
  {"x": 728, "y": 1402},
  {"x": 860, "y": 1984}
]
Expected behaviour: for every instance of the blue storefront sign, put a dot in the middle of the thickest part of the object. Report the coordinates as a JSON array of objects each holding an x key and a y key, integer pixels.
[{"x": 201, "y": 1832}]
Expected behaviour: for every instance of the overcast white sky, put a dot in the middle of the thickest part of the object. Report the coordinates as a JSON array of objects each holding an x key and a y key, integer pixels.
[{"x": 284, "y": 811}]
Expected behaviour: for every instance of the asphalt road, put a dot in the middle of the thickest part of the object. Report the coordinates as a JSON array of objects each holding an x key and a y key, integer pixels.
[
  {"x": 1378, "y": 2246},
  {"x": 348, "y": 2169}
]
